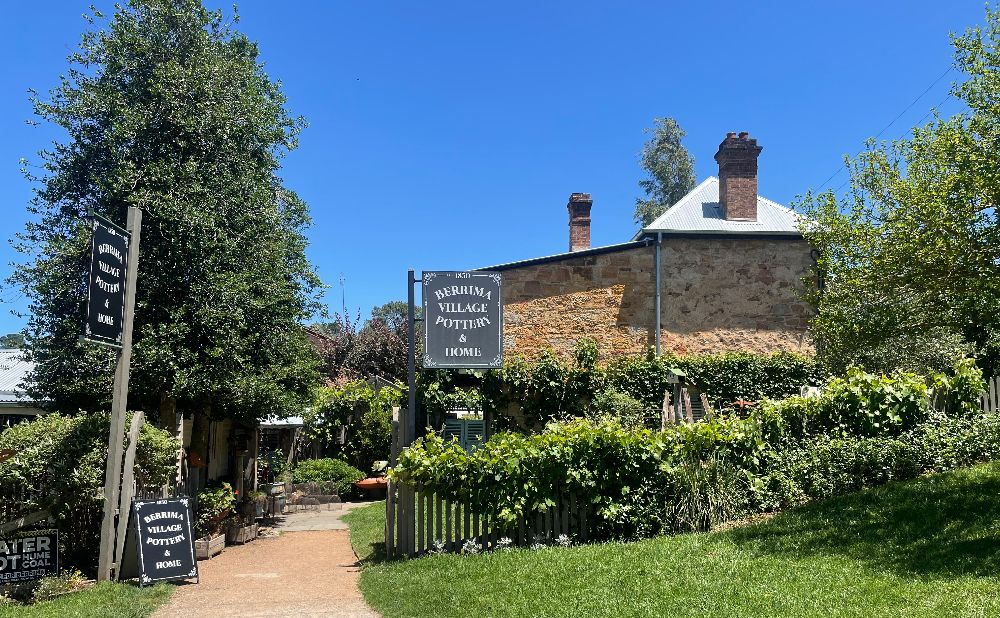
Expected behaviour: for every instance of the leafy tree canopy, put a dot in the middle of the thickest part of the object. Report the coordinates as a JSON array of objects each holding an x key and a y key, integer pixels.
[
  {"x": 911, "y": 256},
  {"x": 167, "y": 108},
  {"x": 12, "y": 340},
  {"x": 669, "y": 170}
]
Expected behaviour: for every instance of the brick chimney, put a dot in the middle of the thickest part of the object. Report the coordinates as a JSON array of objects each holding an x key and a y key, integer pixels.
[
  {"x": 579, "y": 221},
  {"x": 737, "y": 158}
]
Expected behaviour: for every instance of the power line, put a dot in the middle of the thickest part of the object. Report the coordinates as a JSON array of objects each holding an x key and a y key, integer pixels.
[
  {"x": 904, "y": 133},
  {"x": 898, "y": 116}
]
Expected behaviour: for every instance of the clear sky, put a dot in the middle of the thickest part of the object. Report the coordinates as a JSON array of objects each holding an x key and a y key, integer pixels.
[{"x": 448, "y": 135}]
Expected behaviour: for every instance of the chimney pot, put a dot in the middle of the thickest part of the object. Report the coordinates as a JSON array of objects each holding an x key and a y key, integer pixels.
[
  {"x": 731, "y": 134},
  {"x": 737, "y": 161},
  {"x": 579, "y": 221}
]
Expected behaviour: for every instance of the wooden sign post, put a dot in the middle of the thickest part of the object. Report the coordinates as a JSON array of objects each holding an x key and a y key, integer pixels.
[{"x": 104, "y": 281}]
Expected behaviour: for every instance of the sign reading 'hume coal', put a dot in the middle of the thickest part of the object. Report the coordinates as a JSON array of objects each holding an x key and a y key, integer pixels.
[
  {"x": 463, "y": 320},
  {"x": 106, "y": 289}
]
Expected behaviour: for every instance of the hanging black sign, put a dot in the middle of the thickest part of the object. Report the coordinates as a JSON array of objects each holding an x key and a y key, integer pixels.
[
  {"x": 165, "y": 545},
  {"x": 463, "y": 320},
  {"x": 106, "y": 287},
  {"x": 30, "y": 555}
]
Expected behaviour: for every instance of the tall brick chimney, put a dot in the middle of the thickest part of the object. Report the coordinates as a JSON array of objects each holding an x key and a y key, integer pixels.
[
  {"x": 579, "y": 221},
  {"x": 737, "y": 159}
]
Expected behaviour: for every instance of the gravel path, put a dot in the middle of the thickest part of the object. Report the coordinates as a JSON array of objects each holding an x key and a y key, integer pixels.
[{"x": 308, "y": 573}]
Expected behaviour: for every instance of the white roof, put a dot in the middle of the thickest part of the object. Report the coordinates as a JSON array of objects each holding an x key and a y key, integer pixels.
[
  {"x": 699, "y": 212},
  {"x": 13, "y": 370}
]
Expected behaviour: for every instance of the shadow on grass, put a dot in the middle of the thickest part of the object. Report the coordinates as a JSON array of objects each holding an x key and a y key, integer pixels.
[{"x": 943, "y": 525}]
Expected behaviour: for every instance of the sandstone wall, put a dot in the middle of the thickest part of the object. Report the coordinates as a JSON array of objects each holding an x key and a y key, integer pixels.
[{"x": 717, "y": 295}]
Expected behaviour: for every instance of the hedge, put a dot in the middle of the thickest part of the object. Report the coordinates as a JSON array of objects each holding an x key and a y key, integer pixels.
[
  {"x": 864, "y": 429},
  {"x": 59, "y": 465},
  {"x": 528, "y": 394},
  {"x": 338, "y": 473}
]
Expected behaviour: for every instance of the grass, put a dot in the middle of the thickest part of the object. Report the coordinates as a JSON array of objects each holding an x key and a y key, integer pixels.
[
  {"x": 928, "y": 547},
  {"x": 367, "y": 524},
  {"x": 104, "y": 600}
]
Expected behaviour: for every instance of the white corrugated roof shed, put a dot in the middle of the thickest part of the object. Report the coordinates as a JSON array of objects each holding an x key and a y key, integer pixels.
[
  {"x": 699, "y": 212},
  {"x": 13, "y": 370}
]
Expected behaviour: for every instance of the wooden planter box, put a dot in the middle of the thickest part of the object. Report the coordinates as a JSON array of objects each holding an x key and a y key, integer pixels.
[
  {"x": 206, "y": 547},
  {"x": 241, "y": 535}
]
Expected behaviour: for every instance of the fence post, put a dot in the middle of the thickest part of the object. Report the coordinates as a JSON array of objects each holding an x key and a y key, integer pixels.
[{"x": 128, "y": 486}]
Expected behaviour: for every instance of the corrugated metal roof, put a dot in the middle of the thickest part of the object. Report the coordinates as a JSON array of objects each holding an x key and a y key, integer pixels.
[
  {"x": 699, "y": 212},
  {"x": 13, "y": 370},
  {"x": 566, "y": 256}
]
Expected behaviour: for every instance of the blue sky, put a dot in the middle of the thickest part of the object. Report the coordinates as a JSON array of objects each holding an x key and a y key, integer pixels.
[{"x": 448, "y": 135}]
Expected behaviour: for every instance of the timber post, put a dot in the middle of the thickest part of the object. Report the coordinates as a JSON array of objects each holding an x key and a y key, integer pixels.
[{"x": 119, "y": 402}]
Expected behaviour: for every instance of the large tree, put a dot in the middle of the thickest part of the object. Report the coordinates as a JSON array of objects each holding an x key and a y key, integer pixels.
[
  {"x": 167, "y": 108},
  {"x": 911, "y": 257},
  {"x": 669, "y": 170}
]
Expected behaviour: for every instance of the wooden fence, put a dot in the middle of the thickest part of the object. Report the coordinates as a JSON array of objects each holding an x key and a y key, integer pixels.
[
  {"x": 990, "y": 399},
  {"x": 418, "y": 522}
]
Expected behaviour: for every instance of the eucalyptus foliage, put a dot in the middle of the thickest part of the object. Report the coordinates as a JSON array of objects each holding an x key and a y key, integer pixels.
[
  {"x": 167, "y": 108},
  {"x": 910, "y": 257},
  {"x": 669, "y": 170}
]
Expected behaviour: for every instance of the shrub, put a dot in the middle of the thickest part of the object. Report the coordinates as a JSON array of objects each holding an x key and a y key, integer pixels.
[
  {"x": 51, "y": 587},
  {"x": 339, "y": 473},
  {"x": 213, "y": 506},
  {"x": 365, "y": 416},
  {"x": 614, "y": 405},
  {"x": 553, "y": 387},
  {"x": 863, "y": 430},
  {"x": 59, "y": 466}
]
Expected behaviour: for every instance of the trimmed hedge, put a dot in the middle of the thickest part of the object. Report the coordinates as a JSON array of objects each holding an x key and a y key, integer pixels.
[
  {"x": 340, "y": 474},
  {"x": 863, "y": 430}
]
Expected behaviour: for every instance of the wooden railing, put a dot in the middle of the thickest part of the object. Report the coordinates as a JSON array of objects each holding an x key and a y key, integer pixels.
[{"x": 418, "y": 522}]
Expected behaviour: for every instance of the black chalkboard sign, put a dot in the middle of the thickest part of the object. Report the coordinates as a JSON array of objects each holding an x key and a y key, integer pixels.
[
  {"x": 25, "y": 556},
  {"x": 106, "y": 285},
  {"x": 164, "y": 543}
]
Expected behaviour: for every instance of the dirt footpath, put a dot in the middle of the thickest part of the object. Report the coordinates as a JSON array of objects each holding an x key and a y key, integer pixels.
[{"x": 306, "y": 573}]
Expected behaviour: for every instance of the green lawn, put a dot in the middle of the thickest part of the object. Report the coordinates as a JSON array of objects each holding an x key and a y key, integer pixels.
[
  {"x": 105, "y": 600},
  {"x": 929, "y": 547}
]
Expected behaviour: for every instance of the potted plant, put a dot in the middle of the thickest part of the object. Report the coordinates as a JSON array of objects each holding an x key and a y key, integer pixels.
[
  {"x": 259, "y": 500},
  {"x": 215, "y": 505},
  {"x": 375, "y": 486}
]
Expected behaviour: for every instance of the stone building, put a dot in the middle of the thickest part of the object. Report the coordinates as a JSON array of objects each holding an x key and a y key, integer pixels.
[{"x": 720, "y": 270}]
